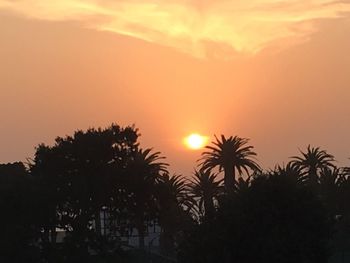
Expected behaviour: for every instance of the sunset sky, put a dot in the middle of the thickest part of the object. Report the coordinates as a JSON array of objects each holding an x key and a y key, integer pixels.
[{"x": 277, "y": 72}]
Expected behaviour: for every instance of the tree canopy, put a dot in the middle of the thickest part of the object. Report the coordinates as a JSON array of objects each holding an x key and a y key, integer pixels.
[{"x": 100, "y": 186}]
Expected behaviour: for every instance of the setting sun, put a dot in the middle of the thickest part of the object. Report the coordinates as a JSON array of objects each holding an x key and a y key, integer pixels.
[{"x": 195, "y": 141}]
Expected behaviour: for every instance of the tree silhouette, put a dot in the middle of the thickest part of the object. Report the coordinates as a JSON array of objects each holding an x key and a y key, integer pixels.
[
  {"x": 330, "y": 180},
  {"x": 273, "y": 220},
  {"x": 344, "y": 192},
  {"x": 206, "y": 188},
  {"x": 285, "y": 215},
  {"x": 142, "y": 171},
  {"x": 292, "y": 172},
  {"x": 20, "y": 221},
  {"x": 174, "y": 206},
  {"x": 229, "y": 154},
  {"x": 77, "y": 175},
  {"x": 311, "y": 162},
  {"x": 341, "y": 239}
]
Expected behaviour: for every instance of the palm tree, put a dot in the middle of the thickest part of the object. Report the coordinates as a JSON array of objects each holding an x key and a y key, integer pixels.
[
  {"x": 311, "y": 162},
  {"x": 173, "y": 188},
  {"x": 143, "y": 170},
  {"x": 206, "y": 188},
  {"x": 174, "y": 205},
  {"x": 344, "y": 192},
  {"x": 292, "y": 172},
  {"x": 230, "y": 154},
  {"x": 330, "y": 180}
]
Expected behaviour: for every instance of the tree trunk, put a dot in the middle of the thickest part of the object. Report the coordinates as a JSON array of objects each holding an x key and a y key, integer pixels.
[
  {"x": 313, "y": 180},
  {"x": 209, "y": 207},
  {"x": 229, "y": 178}
]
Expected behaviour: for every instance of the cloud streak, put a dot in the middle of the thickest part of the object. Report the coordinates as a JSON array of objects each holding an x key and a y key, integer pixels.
[{"x": 219, "y": 28}]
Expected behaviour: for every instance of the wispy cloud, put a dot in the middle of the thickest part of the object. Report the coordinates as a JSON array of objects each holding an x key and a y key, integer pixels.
[{"x": 200, "y": 28}]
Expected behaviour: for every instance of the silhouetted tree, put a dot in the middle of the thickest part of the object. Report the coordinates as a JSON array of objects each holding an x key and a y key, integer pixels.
[
  {"x": 229, "y": 154},
  {"x": 16, "y": 169},
  {"x": 344, "y": 193},
  {"x": 330, "y": 180},
  {"x": 174, "y": 206},
  {"x": 206, "y": 188},
  {"x": 285, "y": 215},
  {"x": 311, "y": 162},
  {"x": 78, "y": 174},
  {"x": 341, "y": 238},
  {"x": 273, "y": 220},
  {"x": 20, "y": 217},
  {"x": 142, "y": 171},
  {"x": 293, "y": 173}
]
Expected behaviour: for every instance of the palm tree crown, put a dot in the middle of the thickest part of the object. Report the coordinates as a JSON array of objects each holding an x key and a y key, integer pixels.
[
  {"x": 206, "y": 188},
  {"x": 143, "y": 169},
  {"x": 229, "y": 154},
  {"x": 146, "y": 161},
  {"x": 312, "y": 161},
  {"x": 173, "y": 206},
  {"x": 173, "y": 189}
]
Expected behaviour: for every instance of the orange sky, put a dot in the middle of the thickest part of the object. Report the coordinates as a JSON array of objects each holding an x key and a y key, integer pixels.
[{"x": 277, "y": 72}]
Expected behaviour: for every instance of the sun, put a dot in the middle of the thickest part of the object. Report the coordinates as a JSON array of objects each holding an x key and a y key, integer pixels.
[{"x": 195, "y": 141}]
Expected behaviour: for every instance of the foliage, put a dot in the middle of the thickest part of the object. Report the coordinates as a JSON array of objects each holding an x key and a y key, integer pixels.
[
  {"x": 174, "y": 209},
  {"x": 273, "y": 220},
  {"x": 206, "y": 188},
  {"x": 20, "y": 215},
  {"x": 142, "y": 170},
  {"x": 230, "y": 154},
  {"x": 295, "y": 213},
  {"x": 311, "y": 162}
]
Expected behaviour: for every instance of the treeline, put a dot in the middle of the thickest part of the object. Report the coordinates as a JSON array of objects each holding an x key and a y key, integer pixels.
[{"x": 295, "y": 213}]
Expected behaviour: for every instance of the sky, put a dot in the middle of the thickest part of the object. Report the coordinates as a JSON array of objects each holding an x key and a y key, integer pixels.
[{"x": 277, "y": 72}]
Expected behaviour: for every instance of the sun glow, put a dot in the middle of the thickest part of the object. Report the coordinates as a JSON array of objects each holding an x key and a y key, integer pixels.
[{"x": 195, "y": 141}]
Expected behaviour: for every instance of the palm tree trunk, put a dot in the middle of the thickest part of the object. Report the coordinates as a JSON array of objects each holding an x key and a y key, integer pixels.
[
  {"x": 229, "y": 178},
  {"x": 209, "y": 207},
  {"x": 313, "y": 180}
]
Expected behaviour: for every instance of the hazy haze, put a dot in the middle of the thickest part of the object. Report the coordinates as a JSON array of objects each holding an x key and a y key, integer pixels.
[{"x": 277, "y": 73}]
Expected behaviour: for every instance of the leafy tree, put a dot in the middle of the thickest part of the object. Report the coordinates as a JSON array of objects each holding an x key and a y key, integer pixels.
[
  {"x": 20, "y": 219},
  {"x": 16, "y": 169},
  {"x": 78, "y": 176},
  {"x": 230, "y": 154}
]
